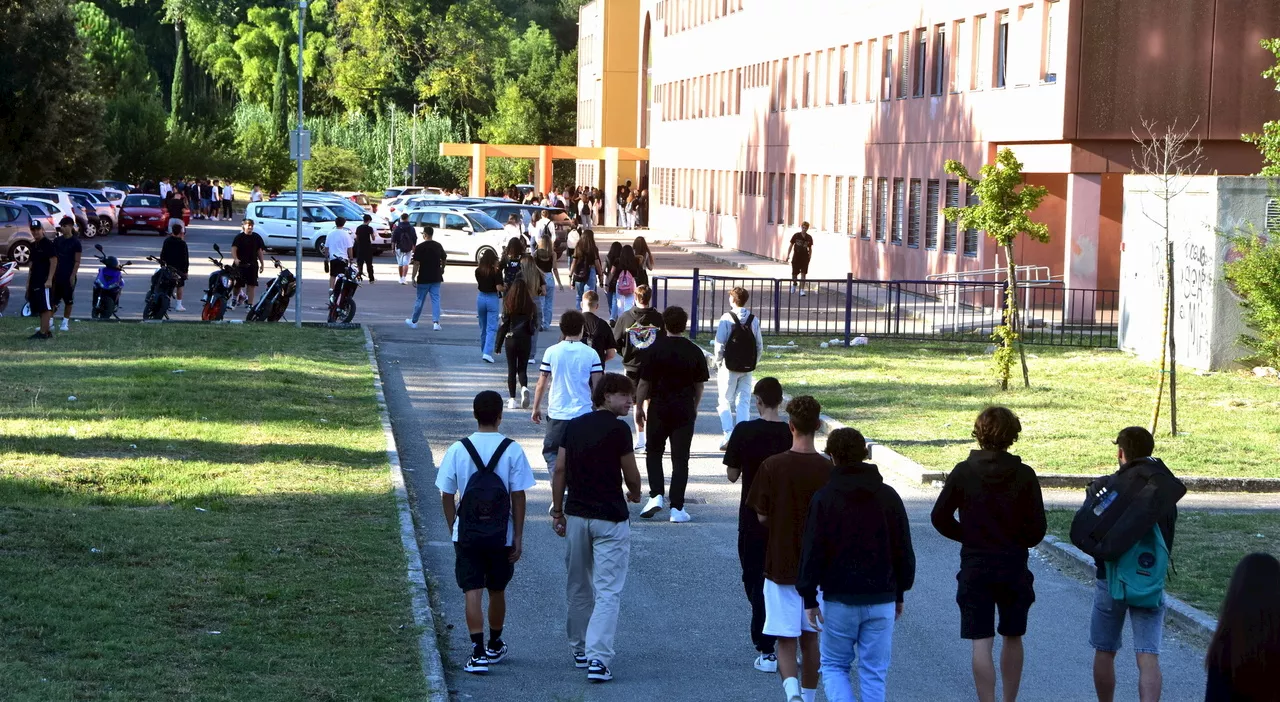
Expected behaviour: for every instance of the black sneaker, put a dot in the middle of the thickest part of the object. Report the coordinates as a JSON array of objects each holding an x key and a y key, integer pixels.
[
  {"x": 495, "y": 655},
  {"x": 41, "y": 335},
  {"x": 598, "y": 671},
  {"x": 580, "y": 660},
  {"x": 477, "y": 665}
]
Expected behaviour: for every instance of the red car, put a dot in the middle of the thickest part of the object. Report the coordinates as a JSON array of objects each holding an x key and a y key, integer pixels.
[{"x": 147, "y": 212}]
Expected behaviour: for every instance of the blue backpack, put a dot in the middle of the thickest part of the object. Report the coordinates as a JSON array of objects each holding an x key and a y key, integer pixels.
[
  {"x": 485, "y": 509},
  {"x": 1137, "y": 577}
]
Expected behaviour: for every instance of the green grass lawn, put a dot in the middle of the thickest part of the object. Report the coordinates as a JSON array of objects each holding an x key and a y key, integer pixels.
[
  {"x": 1206, "y": 548},
  {"x": 921, "y": 399},
  {"x": 226, "y": 532}
]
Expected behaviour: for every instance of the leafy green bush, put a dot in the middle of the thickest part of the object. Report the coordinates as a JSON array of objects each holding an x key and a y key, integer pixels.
[
  {"x": 333, "y": 168},
  {"x": 1254, "y": 271}
]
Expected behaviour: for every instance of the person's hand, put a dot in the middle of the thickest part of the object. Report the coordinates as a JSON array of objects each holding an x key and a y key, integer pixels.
[
  {"x": 897, "y": 610},
  {"x": 633, "y": 496},
  {"x": 516, "y": 549},
  {"x": 47, "y": 285},
  {"x": 640, "y": 418},
  {"x": 558, "y": 525},
  {"x": 536, "y": 416},
  {"x": 815, "y": 618}
]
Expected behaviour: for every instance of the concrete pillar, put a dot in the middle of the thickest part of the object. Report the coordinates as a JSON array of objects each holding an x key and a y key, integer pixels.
[
  {"x": 478, "y": 168},
  {"x": 543, "y": 182},
  {"x": 1080, "y": 257},
  {"x": 610, "y": 187}
]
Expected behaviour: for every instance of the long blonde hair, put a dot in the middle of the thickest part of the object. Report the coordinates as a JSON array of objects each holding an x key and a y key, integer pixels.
[{"x": 532, "y": 276}]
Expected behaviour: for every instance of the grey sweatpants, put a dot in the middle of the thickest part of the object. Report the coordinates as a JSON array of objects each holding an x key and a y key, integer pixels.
[{"x": 597, "y": 557}]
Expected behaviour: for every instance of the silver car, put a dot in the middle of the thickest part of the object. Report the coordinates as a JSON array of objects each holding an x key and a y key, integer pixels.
[{"x": 15, "y": 232}]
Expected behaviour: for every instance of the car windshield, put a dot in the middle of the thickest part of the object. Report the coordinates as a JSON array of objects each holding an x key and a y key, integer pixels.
[
  {"x": 481, "y": 221},
  {"x": 346, "y": 208},
  {"x": 390, "y": 193},
  {"x": 143, "y": 201}
]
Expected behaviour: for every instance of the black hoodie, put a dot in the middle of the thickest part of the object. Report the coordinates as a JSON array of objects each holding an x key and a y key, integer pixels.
[
  {"x": 632, "y": 356},
  {"x": 1167, "y": 524},
  {"x": 1001, "y": 509},
  {"x": 857, "y": 541}
]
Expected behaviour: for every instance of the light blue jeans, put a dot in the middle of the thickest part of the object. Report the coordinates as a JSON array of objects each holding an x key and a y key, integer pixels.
[
  {"x": 583, "y": 287},
  {"x": 423, "y": 290},
  {"x": 488, "y": 307},
  {"x": 549, "y": 302},
  {"x": 856, "y": 632}
]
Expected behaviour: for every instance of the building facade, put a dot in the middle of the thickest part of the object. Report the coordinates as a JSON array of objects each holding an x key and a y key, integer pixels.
[
  {"x": 608, "y": 64},
  {"x": 761, "y": 114}
]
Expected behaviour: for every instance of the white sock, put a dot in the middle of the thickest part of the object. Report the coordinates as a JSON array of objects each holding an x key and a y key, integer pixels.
[
  {"x": 809, "y": 695},
  {"x": 791, "y": 687}
]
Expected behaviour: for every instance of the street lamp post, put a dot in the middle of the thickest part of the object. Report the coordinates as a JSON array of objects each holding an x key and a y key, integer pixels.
[
  {"x": 297, "y": 309},
  {"x": 413, "y": 160}
]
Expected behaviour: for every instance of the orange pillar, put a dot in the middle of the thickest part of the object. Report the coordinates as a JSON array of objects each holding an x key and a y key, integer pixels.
[
  {"x": 478, "y": 167},
  {"x": 543, "y": 182}
]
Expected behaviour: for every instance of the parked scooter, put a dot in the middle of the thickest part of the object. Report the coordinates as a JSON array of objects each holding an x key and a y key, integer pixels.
[
  {"x": 275, "y": 299},
  {"x": 7, "y": 271},
  {"x": 221, "y": 283},
  {"x": 164, "y": 285},
  {"x": 107, "y": 285},
  {"x": 342, "y": 304}
]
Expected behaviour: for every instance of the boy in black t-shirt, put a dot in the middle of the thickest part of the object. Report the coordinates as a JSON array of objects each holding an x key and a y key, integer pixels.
[
  {"x": 596, "y": 332},
  {"x": 671, "y": 379},
  {"x": 246, "y": 256},
  {"x": 749, "y": 445},
  {"x": 799, "y": 252},
  {"x": 40, "y": 279},
  {"x": 363, "y": 248}
]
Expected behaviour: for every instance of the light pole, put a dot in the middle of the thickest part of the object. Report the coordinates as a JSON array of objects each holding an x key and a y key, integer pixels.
[
  {"x": 297, "y": 308},
  {"x": 391, "y": 148},
  {"x": 413, "y": 160}
]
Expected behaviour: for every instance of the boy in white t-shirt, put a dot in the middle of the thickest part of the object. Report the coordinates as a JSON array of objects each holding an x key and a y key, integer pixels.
[
  {"x": 484, "y": 559},
  {"x": 570, "y": 370}
]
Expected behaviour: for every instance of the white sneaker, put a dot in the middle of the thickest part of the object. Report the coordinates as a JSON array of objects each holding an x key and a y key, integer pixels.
[
  {"x": 403, "y": 281},
  {"x": 639, "y": 442},
  {"x": 793, "y": 290},
  {"x": 411, "y": 324},
  {"x": 725, "y": 443},
  {"x": 803, "y": 293},
  {"x": 679, "y": 516},
  {"x": 513, "y": 404},
  {"x": 656, "y": 504},
  {"x": 179, "y": 307},
  {"x": 435, "y": 326},
  {"x": 66, "y": 325},
  {"x": 486, "y": 358},
  {"x": 767, "y": 662},
  {"x": 524, "y": 397}
]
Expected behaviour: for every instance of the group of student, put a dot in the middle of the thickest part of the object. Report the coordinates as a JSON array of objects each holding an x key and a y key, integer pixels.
[{"x": 206, "y": 199}]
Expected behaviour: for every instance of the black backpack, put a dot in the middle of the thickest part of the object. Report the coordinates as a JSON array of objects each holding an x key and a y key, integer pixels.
[
  {"x": 740, "y": 351},
  {"x": 1119, "y": 510},
  {"x": 485, "y": 509}
]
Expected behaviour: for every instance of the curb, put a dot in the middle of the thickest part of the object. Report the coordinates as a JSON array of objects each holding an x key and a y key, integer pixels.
[
  {"x": 717, "y": 259},
  {"x": 1176, "y": 610},
  {"x": 420, "y": 601},
  {"x": 1193, "y": 483},
  {"x": 886, "y": 457}
]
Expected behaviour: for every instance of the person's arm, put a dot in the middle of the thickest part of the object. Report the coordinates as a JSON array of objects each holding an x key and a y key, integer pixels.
[
  {"x": 755, "y": 323},
  {"x": 732, "y": 462},
  {"x": 609, "y": 354},
  {"x": 557, "y": 490},
  {"x": 1035, "y": 525},
  {"x": 555, "y": 267},
  {"x": 790, "y": 246},
  {"x": 595, "y": 378},
  {"x": 812, "y": 558},
  {"x": 943, "y": 515},
  {"x": 904, "y": 555},
  {"x": 759, "y": 497},
  {"x": 262, "y": 263},
  {"x": 631, "y": 475},
  {"x": 235, "y": 255},
  {"x": 416, "y": 264},
  {"x": 697, "y": 393},
  {"x": 723, "y": 328},
  {"x": 517, "y": 525},
  {"x": 543, "y": 378},
  {"x": 450, "y": 509},
  {"x": 75, "y": 268}
]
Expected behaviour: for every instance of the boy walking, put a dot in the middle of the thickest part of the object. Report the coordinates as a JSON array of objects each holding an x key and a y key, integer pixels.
[
  {"x": 634, "y": 332},
  {"x": 1001, "y": 516},
  {"x": 753, "y": 441},
  {"x": 67, "y": 270},
  {"x": 737, "y": 351},
  {"x": 780, "y": 495},
  {"x": 570, "y": 371},
  {"x": 404, "y": 239},
  {"x": 857, "y": 549},
  {"x": 593, "y": 460},
  {"x": 491, "y": 474}
]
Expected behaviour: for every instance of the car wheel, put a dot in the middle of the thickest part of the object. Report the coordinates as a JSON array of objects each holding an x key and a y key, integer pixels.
[
  {"x": 321, "y": 248},
  {"x": 105, "y": 226},
  {"x": 90, "y": 229},
  {"x": 481, "y": 252},
  {"x": 20, "y": 253}
]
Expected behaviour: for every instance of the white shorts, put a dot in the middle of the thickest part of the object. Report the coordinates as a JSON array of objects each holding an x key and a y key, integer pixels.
[
  {"x": 404, "y": 258},
  {"x": 784, "y": 611}
]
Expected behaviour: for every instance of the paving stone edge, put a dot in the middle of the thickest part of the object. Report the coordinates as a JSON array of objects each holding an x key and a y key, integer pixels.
[{"x": 420, "y": 600}]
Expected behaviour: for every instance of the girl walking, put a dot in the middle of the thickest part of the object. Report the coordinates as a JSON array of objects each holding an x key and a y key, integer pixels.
[
  {"x": 537, "y": 290},
  {"x": 586, "y": 270},
  {"x": 623, "y": 278},
  {"x": 615, "y": 250},
  {"x": 515, "y": 338},
  {"x": 548, "y": 261},
  {"x": 489, "y": 287}
]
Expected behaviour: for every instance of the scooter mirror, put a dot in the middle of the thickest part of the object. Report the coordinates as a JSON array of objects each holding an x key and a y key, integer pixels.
[
  {"x": 98, "y": 247},
  {"x": 215, "y": 248}
]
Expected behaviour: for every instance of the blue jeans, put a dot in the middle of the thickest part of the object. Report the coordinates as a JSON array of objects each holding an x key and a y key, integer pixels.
[
  {"x": 488, "y": 307},
  {"x": 856, "y": 632},
  {"x": 423, "y": 289},
  {"x": 549, "y": 302},
  {"x": 589, "y": 285}
]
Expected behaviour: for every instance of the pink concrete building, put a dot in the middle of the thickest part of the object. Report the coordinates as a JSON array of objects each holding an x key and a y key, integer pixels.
[{"x": 761, "y": 114}]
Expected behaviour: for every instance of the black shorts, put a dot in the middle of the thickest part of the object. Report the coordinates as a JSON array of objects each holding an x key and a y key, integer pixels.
[
  {"x": 63, "y": 291},
  {"x": 981, "y": 592},
  {"x": 799, "y": 266},
  {"x": 337, "y": 267},
  {"x": 480, "y": 568},
  {"x": 40, "y": 299},
  {"x": 248, "y": 274}
]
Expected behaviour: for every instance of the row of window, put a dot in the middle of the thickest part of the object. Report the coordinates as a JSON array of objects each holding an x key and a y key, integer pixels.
[
  {"x": 586, "y": 50},
  {"x": 965, "y": 54},
  {"x": 895, "y": 211},
  {"x": 586, "y": 114},
  {"x": 679, "y": 15}
]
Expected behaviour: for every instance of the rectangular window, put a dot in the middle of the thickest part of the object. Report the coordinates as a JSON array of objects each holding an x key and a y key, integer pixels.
[
  {"x": 868, "y": 207},
  {"x": 768, "y": 195},
  {"x": 931, "y": 216},
  {"x": 939, "y": 60},
  {"x": 982, "y": 52},
  {"x": 829, "y": 73},
  {"x": 825, "y": 207},
  {"x": 882, "y": 208},
  {"x": 960, "y": 57},
  {"x": 970, "y": 235},
  {"x": 791, "y": 199},
  {"x": 904, "y": 71},
  {"x": 1002, "y": 50},
  {"x": 899, "y": 210},
  {"x": 801, "y": 192},
  {"x": 913, "y": 215},
  {"x": 870, "y": 78},
  {"x": 837, "y": 212},
  {"x": 886, "y": 87},
  {"x": 798, "y": 82},
  {"x": 784, "y": 84},
  {"x": 845, "y": 73},
  {"x": 921, "y": 63},
  {"x": 805, "y": 94},
  {"x": 949, "y": 231},
  {"x": 850, "y": 213},
  {"x": 1053, "y": 20}
]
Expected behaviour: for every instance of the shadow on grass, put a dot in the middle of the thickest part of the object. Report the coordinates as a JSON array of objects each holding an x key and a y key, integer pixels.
[{"x": 119, "y": 447}]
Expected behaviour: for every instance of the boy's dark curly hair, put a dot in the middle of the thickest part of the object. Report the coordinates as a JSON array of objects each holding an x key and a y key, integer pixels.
[
  {"x": 803, "y": 412},
  {"x": 997, "y": 428},
  {"x": 847, "y": 446}
]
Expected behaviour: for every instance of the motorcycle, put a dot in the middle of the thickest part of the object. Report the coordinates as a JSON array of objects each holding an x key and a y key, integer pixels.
[
  {"x": 275, "y": 299},
  {"x": 164, "y": 285},
  {"x": 7, "y": 271},
  {"x": 221, "y": 283},
  {"x": 342, "y": 304},
  {"x": 107, "y": 285}
]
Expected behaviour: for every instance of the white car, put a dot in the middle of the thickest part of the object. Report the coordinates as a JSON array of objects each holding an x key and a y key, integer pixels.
[
  {"x": 464, "y": 234},
  {"x": 276, "y": 222}
]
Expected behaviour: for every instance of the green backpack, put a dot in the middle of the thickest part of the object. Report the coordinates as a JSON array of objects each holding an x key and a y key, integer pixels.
[{"x": 1137, "y": 577}]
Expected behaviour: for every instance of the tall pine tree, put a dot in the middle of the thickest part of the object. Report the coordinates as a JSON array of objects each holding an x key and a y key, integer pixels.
[
  {"x": 179, "y": 80},
  {"x": 279, "y": 96}
]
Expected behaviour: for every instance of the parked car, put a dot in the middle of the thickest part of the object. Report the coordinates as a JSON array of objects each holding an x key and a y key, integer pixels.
[
  {"x": 64, "y": 202},
  {"x": 358, "y": 198},
  {"x": 117, "y": 185},
  {"x": 100, "y": 202},
  {"x": 502, "y": 210},
  {"x": 464, "y": 234},
  {"x": 15, "y": 232},
  {"x": 400, "y": 191},
  {"x": 44, "y": 212},
  {"x": 115, "y": 196},
  {"x": 96, "y": 213},
  {"x": 147, "y": 212},
  {"x": 276, "y": 222}
]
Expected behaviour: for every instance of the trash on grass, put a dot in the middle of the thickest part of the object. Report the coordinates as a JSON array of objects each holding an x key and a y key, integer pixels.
[
  {"x": 861, "y": 341},
  {"x": 95, "y": 549},
  {"x": 179, "y": 371},
  {"x": 71, "y": 398},
  {"x": 201, "y": 509},
  {"x": 824, "y": 345},
  {"x": 133, "y": 446}
]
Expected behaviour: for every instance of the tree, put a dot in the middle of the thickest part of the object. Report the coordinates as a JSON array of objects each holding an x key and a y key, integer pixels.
[
  {"x": 1003, "y": 210},
  {"x": 466, "y": 47},
  {"x": 1268, "y": 141},
  {"x": 333, "y": 168},
  {"x": 280, "y": 95},
  {"x": 179, "y": 81},
  {"x": 1171, "y": 157},
  {"x": 1253, "y": 272}
]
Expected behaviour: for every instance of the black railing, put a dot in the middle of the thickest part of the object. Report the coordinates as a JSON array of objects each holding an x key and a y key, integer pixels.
[{"x": 842, "y": 310}]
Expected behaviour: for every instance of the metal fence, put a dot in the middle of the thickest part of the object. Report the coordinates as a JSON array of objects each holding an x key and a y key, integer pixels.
[{"x": 901, "y": 309}]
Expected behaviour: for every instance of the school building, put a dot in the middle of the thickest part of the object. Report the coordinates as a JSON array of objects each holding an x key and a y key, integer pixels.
[{"x": 760, "y": 114}]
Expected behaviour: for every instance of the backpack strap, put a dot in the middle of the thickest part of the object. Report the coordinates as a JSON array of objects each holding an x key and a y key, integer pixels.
[{"x": 493, "y": 460}]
